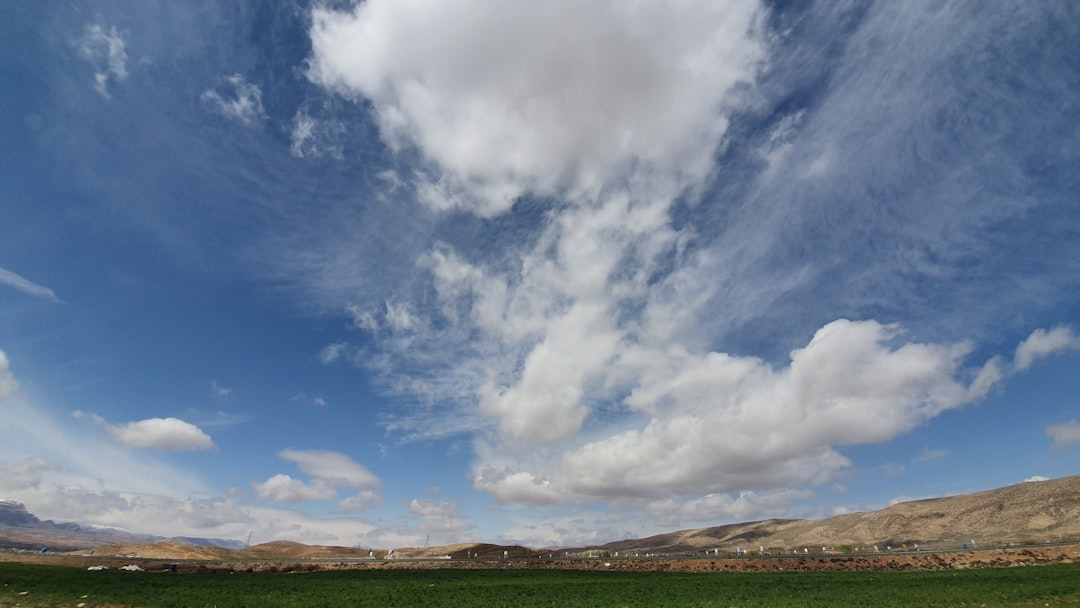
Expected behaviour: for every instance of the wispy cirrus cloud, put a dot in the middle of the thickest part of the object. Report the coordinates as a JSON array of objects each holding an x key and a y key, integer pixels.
[
  {"x": 645, "y": 329},
  {"x": 930, "y": 455},
  {"x": 218, "y": 391},
  {"x": 314, "y": 137},
  {"x": 26, "y": 286},
  {"x": 8, "y": 385},
  {"x": 243, "y": 102},
  {"x": 105, "y": 49}
]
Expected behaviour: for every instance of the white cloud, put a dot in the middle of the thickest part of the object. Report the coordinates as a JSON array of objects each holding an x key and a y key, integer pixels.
[
  {"x": 105, "y": 50},
  {"x": 162, "y": 434},
  {"x": 440, "y": 517},
  {"x": 64, "y": 474},
  {"x": 362, "y": 319},
  {"x": 283, "y": 488},
  {"x": 24, "y": 475},
  {"x": 334, "y": 468},
  {"x": 363, "y": 500},
  {"x": 218, "y": 391},
  {"x": 317, "y": 400},
  {"x": 314, "y": 138},
  {"x": 576, "y": 528},
  {"x": 8, "y": 385},
  {"x": 551, "y": 97},
  {"x": 195, "y": 514},
  {"x": 1064, "y": 435},
  {"x": 332, "y": 352},
  {"x": 399, "y": 316},
  {"x": 988, "y": 377},
  {"x": 713, "y": 508},
  {"x": 244, "y": 105},
  {"x": 716, "y": 423},
  {"x": 28, "y": 287},
  {"x": 1043, "y": 343},
  {"x": 517, "y": 487},
  {"x": 591, "y": 351},
  {"x": 1036, "y": 478},
  {"x": 170, "y": 434}
]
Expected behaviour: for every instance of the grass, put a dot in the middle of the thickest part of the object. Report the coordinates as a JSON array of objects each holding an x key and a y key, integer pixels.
[{"x": 29, "y": 585}]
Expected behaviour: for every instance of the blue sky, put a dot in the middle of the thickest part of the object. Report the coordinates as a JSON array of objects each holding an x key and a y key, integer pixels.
[{"x": 392, "y": 273}]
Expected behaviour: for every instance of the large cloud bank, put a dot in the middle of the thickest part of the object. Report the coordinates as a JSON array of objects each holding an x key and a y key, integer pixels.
[
  {"x": 512, "y": 97},
  {"x": 591, "y": 356}
]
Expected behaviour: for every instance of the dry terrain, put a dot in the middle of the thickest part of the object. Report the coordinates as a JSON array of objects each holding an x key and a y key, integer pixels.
[
  {"x": 1026, "y": 513},
  {"x": 1042, "y": 520},
  {"x": 189, "y": 559}
]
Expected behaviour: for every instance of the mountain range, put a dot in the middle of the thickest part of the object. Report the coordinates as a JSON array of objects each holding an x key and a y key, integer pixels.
[{"x": 21, "y": 529}]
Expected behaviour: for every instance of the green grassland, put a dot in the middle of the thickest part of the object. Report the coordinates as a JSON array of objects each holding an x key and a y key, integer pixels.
[{"x": 27, "y": 585}]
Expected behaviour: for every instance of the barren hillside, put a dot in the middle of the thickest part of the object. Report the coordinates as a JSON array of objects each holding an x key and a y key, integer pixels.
[{"x": 1027, "y": 512}]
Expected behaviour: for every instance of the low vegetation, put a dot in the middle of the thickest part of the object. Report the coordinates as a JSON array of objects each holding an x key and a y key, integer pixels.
[{"x": 33, "y": 585}]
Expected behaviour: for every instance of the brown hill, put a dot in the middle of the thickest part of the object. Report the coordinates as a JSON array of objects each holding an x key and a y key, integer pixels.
[
  {"x": 284, "y": 549},
  {"x": 1030, "y": 512},
  {"x": 161, "y": 550}
]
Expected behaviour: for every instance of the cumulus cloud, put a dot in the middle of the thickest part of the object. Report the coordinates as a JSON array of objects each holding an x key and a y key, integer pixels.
[
  {"x": 517, "y": 487},
  {"x": 440, "y": 517},
  {"x": 243, "y": 102},
  {"x": 1043, "y": 343},
  {"x": 1065, "y": 435},
  {"x": 332, "y": 467},
  {"x": 618, "y": 343},
  {"x": 747, "y": 506},
  {"x": 8, "y": 385},
  {"x": 363, "y": 500},
  {"x": 170, "y": 434},
  {"x": 716, "y": 423},
  {"x": 104, "y": 48},
  {"x": 161, "y": 433},
  {"x": 283, "y": 488},
  {"x": 26, "y": 286},
  {"x": 552, "y": 97},
  {"x": 329, "y": 471}
]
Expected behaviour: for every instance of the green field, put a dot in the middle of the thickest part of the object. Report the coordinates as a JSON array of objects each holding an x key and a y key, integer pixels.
[{"x": 36, "y": 585}]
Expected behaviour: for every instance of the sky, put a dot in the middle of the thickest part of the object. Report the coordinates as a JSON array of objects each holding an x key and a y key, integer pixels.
[{"x": 409, "y": 272}]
